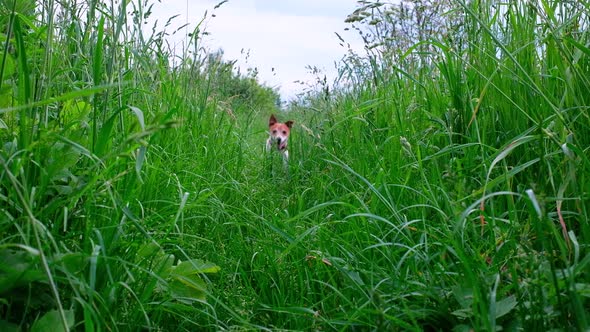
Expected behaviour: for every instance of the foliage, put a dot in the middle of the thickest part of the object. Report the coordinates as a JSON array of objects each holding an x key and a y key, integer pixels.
[
  {"x": 464, "y": 143},
  {"x": 242, "y": 90},
  {"x": 441, "y": 184},
  {"x": 84, "y": 244}
]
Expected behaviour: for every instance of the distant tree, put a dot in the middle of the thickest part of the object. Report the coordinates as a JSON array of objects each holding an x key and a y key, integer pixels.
[{"x": 242, "y": 89}]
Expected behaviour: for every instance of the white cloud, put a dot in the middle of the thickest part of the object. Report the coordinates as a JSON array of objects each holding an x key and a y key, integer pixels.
[{"x": 285, "y": 35}]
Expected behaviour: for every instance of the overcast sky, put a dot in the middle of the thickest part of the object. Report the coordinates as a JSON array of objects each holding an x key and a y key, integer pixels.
[{"x": 286, "y": 35}]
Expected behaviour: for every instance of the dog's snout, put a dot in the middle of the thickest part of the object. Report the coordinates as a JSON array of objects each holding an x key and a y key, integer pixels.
[{"x": 279, "y": 135}]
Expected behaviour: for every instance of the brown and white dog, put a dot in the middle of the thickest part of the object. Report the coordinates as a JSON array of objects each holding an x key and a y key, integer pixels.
[{"x": 279, "y": 136}]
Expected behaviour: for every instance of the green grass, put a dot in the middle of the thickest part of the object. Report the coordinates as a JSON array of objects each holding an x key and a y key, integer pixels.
[{"x": 136, "y": 195}]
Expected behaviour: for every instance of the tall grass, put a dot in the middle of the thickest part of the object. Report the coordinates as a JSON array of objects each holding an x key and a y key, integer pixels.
[
  {"x": 444, "y": 190},
  {"x": 109, "y": 152},
  {"x": 475, "y": 154}
]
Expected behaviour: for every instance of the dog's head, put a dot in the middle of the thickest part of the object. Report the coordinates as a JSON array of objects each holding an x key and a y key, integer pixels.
[{"x": 279, "y": 132}]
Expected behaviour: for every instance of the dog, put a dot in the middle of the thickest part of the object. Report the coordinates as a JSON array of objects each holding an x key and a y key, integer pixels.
[{"x": 279, "y": 136}]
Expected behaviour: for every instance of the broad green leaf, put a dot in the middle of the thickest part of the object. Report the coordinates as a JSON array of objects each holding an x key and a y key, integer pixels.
[
  {"x": 188, "y": 288},
  {"x": 52, "y": 322},
  {"x": 162, "y": 264},
  {"x": 148, "y": 251},
  {"x": 61, "y": 158},
  {"x": 354, "y": 276},
  {"x": 75, "y": 111},
  {"x": 464, "y": 296},
  {"x": 195, "y": 266},
  {"x": 18, "y": 268},
  {"x": 152, "y": 257},
  {"x": 73, "y": 262},
  {"x": 506, "y": 305},
  {"x": 186, "y": 284}
]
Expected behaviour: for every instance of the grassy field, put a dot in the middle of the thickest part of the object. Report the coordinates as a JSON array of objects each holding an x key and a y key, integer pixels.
[{"x": 441, "y": 186}]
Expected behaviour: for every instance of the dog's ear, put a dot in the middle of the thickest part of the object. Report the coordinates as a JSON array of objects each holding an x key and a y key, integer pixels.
[
  {"x": 289, "y": 124},
  {"x": 272, "y": 120}
]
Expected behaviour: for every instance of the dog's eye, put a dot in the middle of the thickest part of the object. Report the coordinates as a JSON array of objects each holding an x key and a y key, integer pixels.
[
  {"x": 284, "y": 132},
  {"x": 274, "y": 131}
]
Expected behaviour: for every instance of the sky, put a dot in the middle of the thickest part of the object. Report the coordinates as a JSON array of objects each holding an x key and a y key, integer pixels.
[{"x": 278, "y": 37}]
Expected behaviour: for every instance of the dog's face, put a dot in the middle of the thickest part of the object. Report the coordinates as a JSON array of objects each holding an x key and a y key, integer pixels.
[{"x": 279, "y": 132}]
